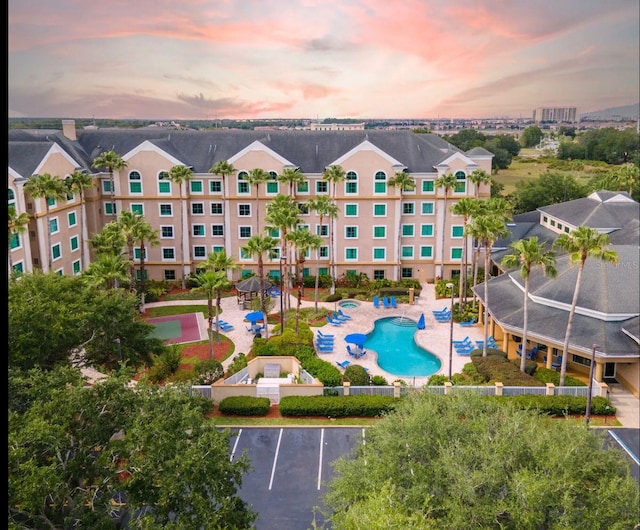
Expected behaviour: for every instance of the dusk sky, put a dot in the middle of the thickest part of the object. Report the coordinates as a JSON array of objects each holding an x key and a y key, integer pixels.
[{"x": 363, "y": 59}]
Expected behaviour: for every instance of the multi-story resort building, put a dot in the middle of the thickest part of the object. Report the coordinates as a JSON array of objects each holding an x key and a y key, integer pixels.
[{"x": 223, "y": 213}]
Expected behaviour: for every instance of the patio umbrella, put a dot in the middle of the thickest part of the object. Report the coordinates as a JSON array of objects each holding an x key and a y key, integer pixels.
[
  {"x": 255, "y": 316},
  {"x": 356, "y": 338},
  {"x": 421, "y": 324}
]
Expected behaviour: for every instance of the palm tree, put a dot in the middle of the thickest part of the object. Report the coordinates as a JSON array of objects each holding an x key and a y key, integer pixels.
[
  {"x": 223, "y": 168},
  {"x": 582, "y": 243},
  {"x": 292, "y": 177},
  {"x": 129, "y": 223},
  {"x": 145, "y": 233},
  {"x": 180, "y": 175},
  {"x": 528, "y": 254},
  {"x": 47, "y": 187},
  {"x": 404, "y": 182},
  {"x": 283, "y": 213},
  {"x": 466, "y": 207},
  {"x": 302, "y": 240},
  {"x": 106, "y": 270},
  {"x": 486, "y": 229},
  {"x": 479, "y": 176},
  {"x": 256, "y": 177},
  {"x": 333, "y": 174},
  {"x": 18, "y": 224},
  {"x": 219, "y": 261},
  {"x": 259, "y": 246},
  {"x": 448, "y": 182},
  {"x": 324, "y": 207},
  {"x": 210, "y": 282},
  {"x": 113, "y": 162},
  {"x": 80, "y": 181}
]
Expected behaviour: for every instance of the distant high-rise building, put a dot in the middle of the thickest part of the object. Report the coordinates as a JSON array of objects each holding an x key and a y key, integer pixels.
[{"x": 555, "y": 114}]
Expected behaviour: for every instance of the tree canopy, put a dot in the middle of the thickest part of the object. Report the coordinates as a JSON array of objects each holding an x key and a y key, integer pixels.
[{"x": 467, "y": 461}]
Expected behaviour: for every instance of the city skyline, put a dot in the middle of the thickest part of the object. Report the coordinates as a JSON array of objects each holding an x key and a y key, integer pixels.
[{"x": 320, "y": 59}]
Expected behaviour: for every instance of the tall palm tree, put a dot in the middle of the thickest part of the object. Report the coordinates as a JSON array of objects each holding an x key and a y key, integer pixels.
[
  {"x": 145, "y": 234},
  {"x": 479, "y": 176},
  {"x": 106, "y": 270},
  {"x": 256, "y": 177},
  {"x": 113, "y": 162},
  {"x": 80, "y": 181},
  {"x": 324, "y": 207},
  {"x": 130, "y": 223},
  {"x": 283, "y": 213},
  {"x": 529, "y": 254},
  {"x": 486, "y": 229},
  {"x": 447, "y": 182},
  {"x": 18, "y": 224},
  {"x": 111, "y": 241},
  {"x": 181, "y": 175},
  {"x": 303, "y": 240},
  {"x": 582, "y": 243},
  {"x": 466, "y": 207},
  {"x": 259, "y": 246},
  {"x": 50, "y": 188},
  {"x": 220, "y": 262},
  {"x": 223, "y": 168},
  {"x": 292, "y": 177},
  {"x": 210, "y": 282},
  {"x": 333, "y": 174},
  {"x": 404, "y": 182}
]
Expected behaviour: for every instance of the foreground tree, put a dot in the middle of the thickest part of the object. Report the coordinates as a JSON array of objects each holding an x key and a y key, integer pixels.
[
  {"x": 582, "y": 243},
  {"x": 145, "y": 446},
  {"x": 424, "y": 468},
  {"x": 528, "y": 254}
]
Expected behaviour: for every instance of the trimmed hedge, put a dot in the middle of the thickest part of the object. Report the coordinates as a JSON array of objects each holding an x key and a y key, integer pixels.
[
  {"x": 336, "y": 407},
  {"x": 245, "y": 406},
  {"x": 559, "y": 405}
]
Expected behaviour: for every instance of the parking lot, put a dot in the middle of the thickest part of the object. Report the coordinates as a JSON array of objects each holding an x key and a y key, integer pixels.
[{"x": 292, "y": 465}]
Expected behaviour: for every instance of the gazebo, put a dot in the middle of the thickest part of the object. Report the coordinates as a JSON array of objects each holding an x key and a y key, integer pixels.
[{"x": 249, "y": 289}]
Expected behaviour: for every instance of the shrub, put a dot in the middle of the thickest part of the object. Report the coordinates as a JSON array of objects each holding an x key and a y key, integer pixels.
[
  {"x": 336, "y": 407},
  {"x": 547, "y": 375},
  {"x": 170, "y": 358},
  {"x": 437, "y": 380},
  {"x": 208, "y": 372},
  {"x": 356, "y": 375},
  {"x": 378, "y": 380},
  {"x": 245, "y": 406},
  {"x": 322, "y": 370},
  {"x": 333, "y": 297},
  {"x": 238, "y": 363},
  {"x": 530, "y": 366}
]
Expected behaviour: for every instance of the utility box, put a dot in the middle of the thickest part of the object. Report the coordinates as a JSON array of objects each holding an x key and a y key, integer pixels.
[{"x": 411, "y": 295}]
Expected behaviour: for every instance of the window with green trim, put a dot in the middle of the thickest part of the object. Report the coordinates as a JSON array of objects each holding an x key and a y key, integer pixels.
[
  {"x": 272, "y": 187},
  {"x": 51, "y": 201},
  {"x": 11, "y": 197},
  {"x": 196, "y": 186},
  {"x": 380, "y": 185},
  {"x": 322, "y": 186},
  {"x": 18, "y": 268},
  {"x": 215, "y": 186},
  {"x": 169, "y": 274},
  {"x": 106, "y": 186},
  {"x": 379, "y": 210},
  {"x": 198, "y": 231},
  {"x": 56, "y": 251},
  {"x": 199, "y": 252},
  {"x": 351, "y": 210},
  {"x": 322, "y": 230},
  {"x": 553, "y": 223},
  {"x": 378, "y": 274},
  {"x": 351, "y": 183},
  {"x": 166, "y": 210},
  {"x": 351, "y": 232},
  {"x": 217, "y": 248},
  {"x": 427, "y": 208},
  {"x": 246, "y": 273},
  {"x": 243, "y": 184},
  {"x": 407, "y": 272},
  {"x": 428, "y": 186},
  {"x": 14, "y": 242},
  {"x": 164, "y": 184},
  {"x": 379, "y": 253},
  {"x": 245, "y": 232},
  {"x": 456, "y": 253},
  {"x": 197, "y": 208},
  {"x": 324, "y": 271},
  {"x": 135, "y": 182},
  {"x": 407, "y": 252},
  {"x": 137, "y": 209},
  {"x": 426, "y": 230},
  {"x": 53, "y": 226},
  {"x": 303, "y": 187},
  {"x": 303, "y": 207},
  {"x": 426, "y": 251},
  {"x": 457, "y": 231},
  {"x": 566, "y": 230},
  {"x": 461, "y": 183},
  {"x": 110, "y": 208},
  {"x": 76, "y": 267},
  {"x": 73, "y": 243},
  {"x": 216, "y": 208},
  {"x": 408, "y": 230},
  {"x": 244, "y": 253},
  {"x": 217, "y": 230},
  {"x": 351, "y": 253},
  {"x": 379, "y": 232},
  {"x": 72, "y": 219},
  {"x": 274, "y": 232},
  {"x": 408, "y": 208},
  {"x": 323, "y": 252}
]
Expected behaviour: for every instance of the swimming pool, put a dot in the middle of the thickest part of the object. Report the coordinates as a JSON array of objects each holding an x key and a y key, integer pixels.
[
  {"x": 398, "y": 353},
  {"x": 348, "y": 304}
]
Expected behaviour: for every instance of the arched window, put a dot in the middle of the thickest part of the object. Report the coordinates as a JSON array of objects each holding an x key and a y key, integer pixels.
[
  {"x": 164, "y": 184},
  {"x": 272, "y": 183},
  {"x": 12, "y": 197},
  {"x": 380, "y": 185},
  {"x": 461, "y": 184},
  {"x": 135, "y": 182},
  {"x": 351, "y": 185},
  {"x": 243, "y": 184}
]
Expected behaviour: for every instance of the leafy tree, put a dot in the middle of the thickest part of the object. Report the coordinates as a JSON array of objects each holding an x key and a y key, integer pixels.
[
  {"x": 130, "y": 223},
  {"x": 548, "y": 188},
  {"x": 467, "y": 139},
  {"x": 531, "y": 136},
  {"x": 180, "y": 175},
  {"x": 528, "y": 254},
  {"x": 467, "y": 461},
  {"x": 582, "y": 243},
  {"x": 17, "y": 224},
  {"x": 570, "y": 150},
  {"x": 256, "y": 177},
  {"x": 74, "y": 451},
  {"x": 80, "y": 181},
  {"x": 333, "y": 174},
  {"x": 569, "y": 132},
  {"x": 220, "y": 262},
  {"x": 50, "y": 188},
  {"x": 324, "y": 207},
  {"x": 210, "y": 282},
  {"x": 113, "y": 162},
  {"x": 447, "y": 182},
  {"x": 107, "y": 271},
  {"x": 404, "y": 182},
  {"x": 223, "y": 168}
]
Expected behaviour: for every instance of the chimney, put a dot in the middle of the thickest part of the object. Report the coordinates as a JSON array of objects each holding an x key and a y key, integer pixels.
[{"x": 69, "y": 129}]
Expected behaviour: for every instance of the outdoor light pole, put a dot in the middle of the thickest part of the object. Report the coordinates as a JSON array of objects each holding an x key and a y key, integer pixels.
[
  {"x": 587, "y": 414},
  {"x": 117, "y": 341},
  {"x": 283, "y": 261},
  {"x": 450, "y": 286}
]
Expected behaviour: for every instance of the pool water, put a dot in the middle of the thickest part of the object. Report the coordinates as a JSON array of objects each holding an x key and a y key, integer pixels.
[
  {"x": 398, "y": 353},
  {"x": 348, "y": 304}
]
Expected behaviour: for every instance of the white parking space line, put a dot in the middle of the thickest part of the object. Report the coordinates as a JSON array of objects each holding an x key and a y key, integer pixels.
[
  {"x": 364, "y": 442},
  {"x": 320, "y": 460},
  {"x": 624, "y": 446},
  {"x": 235, "y": 445},
  {"x": 275, "y": 460}
]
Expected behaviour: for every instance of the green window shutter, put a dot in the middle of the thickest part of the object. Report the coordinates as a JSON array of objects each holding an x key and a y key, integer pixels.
[
  {"x": 135, "y": 187},
  {"x": 457, "y": 231},
  {"x": 196, "y": 186},
  {"x": 428, "y": 186},
  {"x": 426, "y": 230},
  {"x": 426, "y": 252},
  {"x": 351, "y": 210},
  {"x": 378, "y": 253},
  {"x": 456, "y": 253}
]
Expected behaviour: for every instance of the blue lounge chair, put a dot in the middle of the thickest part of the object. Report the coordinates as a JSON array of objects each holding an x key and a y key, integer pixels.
[
  {"x": 557, "y": 364},
  {"x": 490, "y": 342},
  {"x": 341, "y": 314},
  {"x": 325, "y": 335},
  {"x": 393, "y": 302},
  {"x": 376, "y": 302},
  {"x": 337, "y": 317},
  {"x": 466, "y": 340},
  {"x": 441, "y": 313},
  {"x": 324, "y": 348},
  {"x": 325, "y": 340},
  {"x": 465, "y": 351},
  {"x": 333, "y": 322},
  {"x": 443, "y": 310},
  {"x": 443, "y": 318},
  {"x": 224, "y": 325},
  {"x": 469, "y": 322},
  {"x": 387, "y": 304},
  {"x": 343, "y": 364}
]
